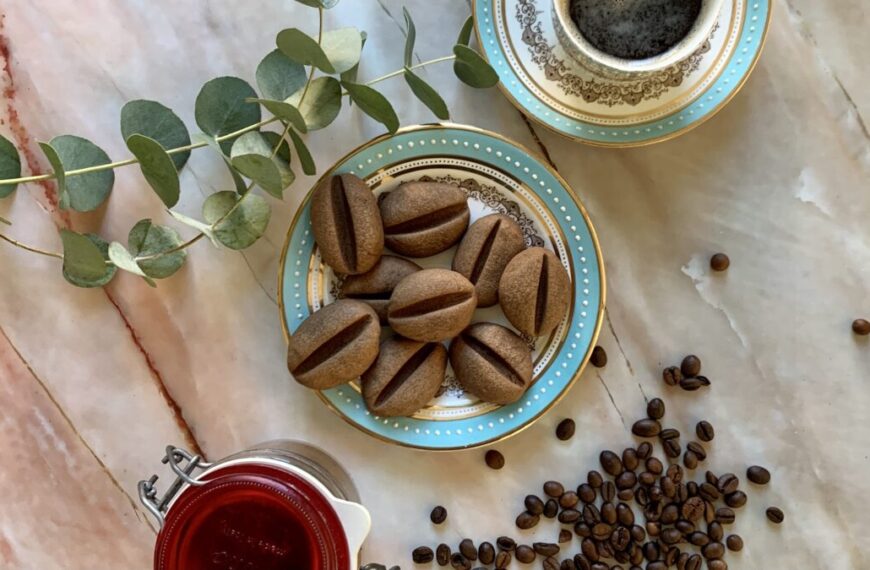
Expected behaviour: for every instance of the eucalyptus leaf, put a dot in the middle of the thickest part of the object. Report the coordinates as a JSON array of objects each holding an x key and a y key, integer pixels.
[
  {"x": 326, "y": 4},
  {"x": 472, "y": 69},
  {"x": 342, "y": 47},
  {"x": 410, "y": 37},
  {"x": 308, "y": 166},
  {"x": 147, "y": 239},
  {"x": 427, "y": 94},
  {"x": 252, "y": 156},
  {"x": 322, "y": 103},
  {"x": 123, "y": 259},
  {"x": 238, "y": 181},
  {"x": 238, "y": 222},
  {"x": 273, "y": 139},
  {"x": 157, "y": 167},
  {"x": 84, "y": 192},
  {"x": 373, "y": 104},
  {"x": 222, "y": 108},
  {"x": 302, "y": 48},
  {"x": 158, "y": 122},
  {"x": 351, "y": 74},
  {"x": 278, "y": 77},
  {"x": 465, "y": 33},
  {"x": 10, "y": 165},
  {"x": 85, "y": 259},
  {"x": 284, "y": 111},
  {"x": 197, "y": 225}
]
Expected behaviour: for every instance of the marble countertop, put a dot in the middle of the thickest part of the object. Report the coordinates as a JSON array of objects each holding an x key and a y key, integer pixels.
[{"x": 95, "y": 383}]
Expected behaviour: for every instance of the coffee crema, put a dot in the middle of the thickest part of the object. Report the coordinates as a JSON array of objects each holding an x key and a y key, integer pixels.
[{"x": 634, "y": 29}]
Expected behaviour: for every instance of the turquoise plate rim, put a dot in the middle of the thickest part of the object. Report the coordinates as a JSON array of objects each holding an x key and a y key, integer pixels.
[
  {"x": 709, "y": 102},
  {"x": 454, "y": 140}
]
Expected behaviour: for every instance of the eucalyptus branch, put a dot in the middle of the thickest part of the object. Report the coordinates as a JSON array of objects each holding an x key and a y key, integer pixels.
[
  {"x": 412, "y": 68},
  {"x": 311, "y": 71},
  {"x": 30, "y": 248}
]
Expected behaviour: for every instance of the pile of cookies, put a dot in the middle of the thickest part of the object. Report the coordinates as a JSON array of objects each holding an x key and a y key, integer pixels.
[{"x": 423, "y": 307}]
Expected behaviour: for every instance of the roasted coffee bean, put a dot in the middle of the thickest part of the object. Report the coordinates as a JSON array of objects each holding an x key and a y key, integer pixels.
[
  {"x": 654, "y": 466},
  {"x": 594, "y": 479},
  {"x": 651, "y": 551},
  {"x": 692, "y": 384},
  {"x": 758, "y": 475},
  {"x": 644, "y": 450},
  {"x": 713, "y": 551},
  {"x": 693, "y": 509},
  {"x": 347, "y": 225},
  {"x": 432, "y": 305},
  {"x": 669, "y": 488},
  {"x": 422, "y": 555},
  {"x": 484, "y": 252},
  {"x": 657, "y": 565},
  {"x": 506, "y": 543},
  {"x": 553, "y": 489},
  {"x": 582, "y": 529},
  {"x": 610, "y": 462},
  {"x": 653, "y": 511},
  {"x": 653, "y": 528},
  {"x": 655, "y": 409},
  {"x": 621, "y": 556},
  {"x": 646, "y": 478},
  {"x": 712, "y": 478},
  {"x": 534, "y": 291},
  {"x": 334, "y": 345},
  {"x": 671, "y": 556},
  {"x": 525, "y": 554},
  {"x": 690, "y": 460},
  {"x": 682, "y": 494},
  {"x": 626, "y": 480},
  {"x": 708, "y": 492},
  {"x": 438, "y": 515},
  {"x": 551, "y": 508},
  {"x": 775, "y": 515},
  {"x": 682, "y": 559},
  {"x": 655, "y": 493},
  {"x": 608, "y": 513},
  {"x": 704, "y": 431},
  {"x": 685, "y": 527},
  {"x": 375, "y": 286},
  {"x": 691, "y": 366},
  {"x": 672, "y": 376},
  {"x": 591, "y": 515},
  {"x": 527, "y": 520},
  {"x": 605, "y": 551},
  {"x": 601, "y": 531},
  {"x": 672, "y": 448},
  {"x": 424, "y": 218},
  {"x": 546, "y": 548},
  {"x": 694, "y": 562},
  {"x": 590, "y": 551},
  {"x": 669, "y": 433},
  {"x": 565, "y": 429},
  {"x": 861, "y": 327},
  {"x": 442, "y": 554},
  {"x": 467, "y": 549},
  {"x": 586, "y": 492},
  {"x": 727, "y": 483},
  {"x": 692, "y": 488},
  {"x": 709, "y": 512},
  {"x": 624, "y": 514},
  {"x": 641, "y": 497},
  {"x": 636, "y": 557},
  {"x": 494, "y": 459},
  {"x": 629, "y": 459},
  {"x": 736, "y": 499},
  {"x": 620, "y": 538},
  {"x": 725, "y": 515},
  {"x": 567, "y": 564},
  {"x": 581, "y": 562},
  {"x": 503, "y": 558},
  {"x": 734, "y": 543},
  {"x": 551, "y": 563},
  {"x": 564, "y": 535},
  {"x": 534, "y": 504},
  {"x": 598, "y": 359},
  {"x": 599, "y": 566},
  {"x": 569, "y": 500},
  {"x": 646, "y": 428},
  {"x": 405, "y": 376},
  {"x": 717, "y": 564},
  {"x": 699, "y": 538},
  {"x": 608, "y": 492},
  {"x": 697, "y": 449},
  {"x": 569, "y": 516},
  {"x": 625, "y": 494},
  {"x": 670, "y": 514},
  {"x": 671, "y": 536},
  {"x": 492, "y": 362},
  {"x": 719, "y": 262},
  {"x": 715, "y": 531}
]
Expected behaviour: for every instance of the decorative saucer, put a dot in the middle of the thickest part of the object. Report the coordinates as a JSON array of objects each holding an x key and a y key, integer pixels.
[
  {"x": 498, "y": 176},
  {"x": 518, "y": 39}
]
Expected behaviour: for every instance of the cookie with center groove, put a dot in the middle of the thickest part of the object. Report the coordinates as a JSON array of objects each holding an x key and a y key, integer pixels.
[
  {"x": 405, "y": 377},
  {"x": 424, "y": 218},
  {"x": 535, "y": 291},
  {"x": 485, "y": 250},
  {"x": 375, "y": 286},
  {"x": 432, "y": 305},
  {"x": 492, "y": 362}
]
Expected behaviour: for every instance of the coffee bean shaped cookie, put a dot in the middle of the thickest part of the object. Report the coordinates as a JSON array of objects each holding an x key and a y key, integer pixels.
[
  {"x": 484, "y": 252},
  {"x": 492, "y": 362},
  {"x": 347, "y": 224},
  {"x": 375, "y": 286},
  {"x": 406, "y": 375},
  {"x": 432, "y": 305},
  {"x": 334, "y": 345},
  {"x": 534, "y": 291},
  {"x": 424, "y": 218}
]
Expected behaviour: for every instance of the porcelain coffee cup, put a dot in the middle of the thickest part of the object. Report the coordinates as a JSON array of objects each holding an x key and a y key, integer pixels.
[{"x": 607, "y": 65}]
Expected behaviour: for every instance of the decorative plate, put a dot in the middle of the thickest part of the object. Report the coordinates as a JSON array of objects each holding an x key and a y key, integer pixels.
[
  {"x": 518, "y": 39},
  {"x": 499, "y": 176}
]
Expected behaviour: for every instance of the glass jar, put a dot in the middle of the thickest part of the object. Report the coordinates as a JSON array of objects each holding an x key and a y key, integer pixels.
[{"x": 278, "y": 505}]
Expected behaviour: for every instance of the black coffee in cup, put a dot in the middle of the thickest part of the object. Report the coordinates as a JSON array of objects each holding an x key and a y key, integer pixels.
[{"x": 634, "y": 29}]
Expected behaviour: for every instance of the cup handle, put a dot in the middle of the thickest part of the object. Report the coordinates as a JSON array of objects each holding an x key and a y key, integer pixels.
[{"x": 357, "y": 524}]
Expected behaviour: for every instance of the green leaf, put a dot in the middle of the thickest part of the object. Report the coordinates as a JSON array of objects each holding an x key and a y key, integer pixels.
[
  {"x": 427, "y": 94},
  {"x": 373, "y": 104},
  {"x": 322, "y": 103},
  {"x": 197, "y": 225},
  {"x": 123, "y": 259},
  {"x": 302, "y": 48},
  {"x": 252, "y": 156},
  {"x": 155, "y": 121},
  {"x": 10, "y": 166},
  {"x": 238, "y": 222},
  {"x": 350, "y": 74},
  {"x": 465, "y": 33},
  {"x": 326, "y": 4},
  {"x": 278, "y": 77},
  {"x": 410, "y": 37},
  {"x": 222, "y": 108},
  {"x": 343, "y": 47},
  {"x": 157, "y": 167},
  {"x": 58, "y": 171},
  {"x": 308, "y": 166},
  {"x": 84, "y": 260},
  {"x": 284, "y": 111},
  {"x": 147, "y": 239},
  {"x": 84, "y": 192},
  {"x": 212, "y": 143},
  {"x": 472, "y": 69},
  {"x": 273, "y": 138}
]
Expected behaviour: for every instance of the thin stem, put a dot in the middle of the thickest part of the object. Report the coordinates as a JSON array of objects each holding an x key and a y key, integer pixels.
[
  {"x": 17, "y": 243},
  {"x": 418, "y": 66},
  {"x": 177, "y": 248},
  {"x": 311, "y": 71}
]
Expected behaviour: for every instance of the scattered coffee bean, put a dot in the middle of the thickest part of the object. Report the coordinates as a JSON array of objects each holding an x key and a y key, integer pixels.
[
  {"x": 697, "y": 449},
  {"x": 553, "y": 489},
  {"x": 599, "y": 357},
  {"x": 727, "y": 483},
  {"x": 610, "y": 462},
  {"x": 534, "y": 504},
  {"x": 551, "y": 563},
  {"x": 669, "y": 433},
  {"x": 624, "y": 515},
  {"x": 503, "y": 560},
  {"x": 586, "y": 492},
  {"x": 682, "y": 559},
  {"x": 861, "y": 327},
  {"x": 651, "y": 551},
  {"x": 442, "y": 554},
  {"x": 625, "y": 494},
  {"x": 734, "y": 542},
  {"x": 608, "y": 492},
  {"x": 567, "y": 564},
  {"x": 709, "y": 512},
  {"x": 564, "y": 535},
  {"x": 546, "y": 548},
  {"x": 671, "y": 536},
  {"x": 672, "y": 448},
  {"x": 654, "y": 465},
  {"x": 644, "y": 450},
  {"x": 646, "y": 428},
  {"x": 715, "y": 531},
  {"x": 591, "y": 515},
  {"x": 736, "y": 499},
  {"x": 672, "y": 376},
  {"x": 758, "y": 475},
  {"x": 708, "y": 492},
  {"x": 594, "y": 479},
  {"x": 620, "y": 538},
  {"x": 438, "y": 515},
  {"x": 719, "y": 262},
  {"x": 569, "y": 516},
  {"x": 692, "y": 384},
  {"x": 713, "y": 551},
  {"x": 422, "y": 555},
  {"x": 459, "y": 562},
  {"x": 717, "y": 564},
  {"x": 626, "y": 480},
  {"x": 527, "y": 520},
  {"x": 693, "y": 509},
  {"x": 581, "y": 562},
  {"x": 525, "y": 554},
  {"x": 692, "y": 488},
  {"x": 551, "y": 508},
  {"x": 655, "y": 409},
  {"x": 467, "y": 549},
  {"x": 711, "y": 478},
  {"x": 670, "y": 514},
  {"x": 775, "y": 515},
  {"x": 725, "y": 515},
  {"x": 629, "y": 458},
  {"x": 669, "y": 488},
  {"x": 608, "y": 513},
  {"x": 691, "y": 366},
  {"x": 494, "y": 459},
  {"x": 699, "y": 538},
  {"x": 569, "y": 500},
  {"x": 565, "y": 429},
  {"x": 694, "y": 562},
  {"x": 506, "y": 543},
  {"x": 690, "y": 460},
  {"x": 704, "y": 431},
  {"x": 582, "y": 530}
]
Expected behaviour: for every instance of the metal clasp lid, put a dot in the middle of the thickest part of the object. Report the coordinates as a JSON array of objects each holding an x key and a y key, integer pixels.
[{"x": 183, "y": 464}]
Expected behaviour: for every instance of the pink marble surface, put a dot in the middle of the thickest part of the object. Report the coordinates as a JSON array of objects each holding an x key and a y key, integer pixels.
[{"x": 97, "y": 382}]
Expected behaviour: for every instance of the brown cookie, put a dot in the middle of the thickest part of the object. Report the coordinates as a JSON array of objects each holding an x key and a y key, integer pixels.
[
  {"x": 534, "y": 291},
  {"x": 347, "y": 224},
  {"x": 424, "y": 218},
  {"x": 484, "y": 252},
  {"x": 406, "y": 375},
  {"x": 492, "y": 362},
  {"x": 432, "y": 305},
  {"x": 334, "y": 345},
  {"x": 375, "y": 286}
]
